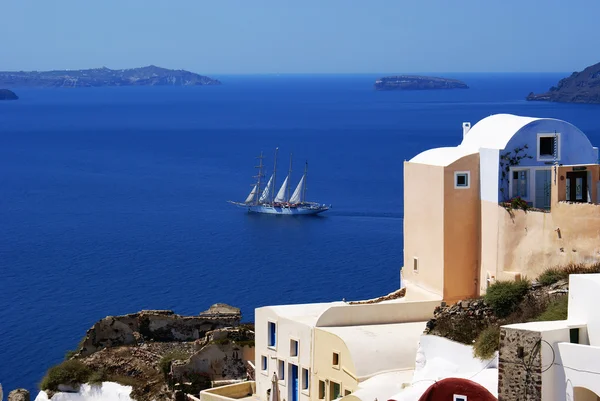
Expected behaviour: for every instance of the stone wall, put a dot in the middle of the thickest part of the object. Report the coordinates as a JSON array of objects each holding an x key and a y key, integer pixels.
[
  {"x": 519, "y": 365},
  {"x": 156, "y": 325}
]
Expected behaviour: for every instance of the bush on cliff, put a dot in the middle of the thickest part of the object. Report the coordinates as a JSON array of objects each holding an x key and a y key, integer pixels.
[
  {"x": 505, "y": 296},
  {"x": 556, "y": 274},
  {"x": 72, "y": 372},
  {"x": 487, "y": 343}
]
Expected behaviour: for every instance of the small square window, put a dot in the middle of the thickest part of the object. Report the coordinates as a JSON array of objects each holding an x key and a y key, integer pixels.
[
  {"x": 460, "y": 397},
  {"x": 321, "y": 390},
  {"x": 462, "y": 179},
  {"x": 546, "y": 146},
  {"x": 281, "y": 373},
  {"x": 415, "y": 265},
  {"x": 264, "y": 363},
  {"x": 305, "y": 379},
  {"x": 293, "y": 348},
  {"x": 336, "y": 359},
  {"x": 272, "y": 334}
]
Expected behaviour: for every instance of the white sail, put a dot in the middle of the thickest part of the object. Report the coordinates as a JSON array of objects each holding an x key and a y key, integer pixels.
[
  {"x": 265, "y": 195},
  {"x": 250, "y": 197},
  {"x": 297, "y": 195},
  {"x": 281, "y": 194}
]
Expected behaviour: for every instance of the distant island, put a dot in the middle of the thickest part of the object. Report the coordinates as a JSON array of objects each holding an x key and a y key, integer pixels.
[
  {"x": 144, "y": 76},
  {"x": 6, "y": 94},
  {"x": 580, "y": 87},
  {"x": 417, "y": 82}
]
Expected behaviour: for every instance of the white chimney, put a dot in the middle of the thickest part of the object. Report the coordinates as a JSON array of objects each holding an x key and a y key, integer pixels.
[{"x": 466, "y": 128}]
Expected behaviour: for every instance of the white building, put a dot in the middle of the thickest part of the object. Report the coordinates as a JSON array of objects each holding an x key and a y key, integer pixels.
[
  {"x": 555, "y": 360},
  {"x": 325, "y": 351}
]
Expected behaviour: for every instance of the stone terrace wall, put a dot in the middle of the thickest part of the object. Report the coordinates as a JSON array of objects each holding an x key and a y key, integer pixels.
[
  {"x": 156, "y": 325},
  {"x": 519, "y": 376}
]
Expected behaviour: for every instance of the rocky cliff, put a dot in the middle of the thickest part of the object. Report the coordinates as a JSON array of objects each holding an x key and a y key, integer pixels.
[
  {"x": 5, "y": 94},
  {"x": 417, "y": 82},
  {"x": 144, "y": 76},
  {"x": 159, "y": 353},
  {"x": 580, "y": 87}
]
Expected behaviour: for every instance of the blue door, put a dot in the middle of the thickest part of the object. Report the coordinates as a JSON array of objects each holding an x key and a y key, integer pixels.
[
  {"x": 294, "y": 383},
  {"x": 543, "y": 187}
]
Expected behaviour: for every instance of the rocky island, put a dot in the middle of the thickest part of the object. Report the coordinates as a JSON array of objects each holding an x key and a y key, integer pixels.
[
  {"x": 144, "y": 76},
  {"x": 580, "y": 87},
  {"x": 417, "y": 82},
  {"x": 160, "y": 354},
  {"x": 6, "y": 94}
]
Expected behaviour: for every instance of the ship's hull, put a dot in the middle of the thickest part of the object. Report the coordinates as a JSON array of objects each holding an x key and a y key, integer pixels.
[{"x": 307, "y": 209}]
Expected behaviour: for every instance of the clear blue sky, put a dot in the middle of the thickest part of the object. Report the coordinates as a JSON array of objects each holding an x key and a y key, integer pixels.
[{"x": 307, "y": 36}]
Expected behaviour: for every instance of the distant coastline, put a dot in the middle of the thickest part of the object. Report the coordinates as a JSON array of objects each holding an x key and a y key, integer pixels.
[
  {"x": 6, "y": 94},
  {"x": 417, "y": 82},
  {"x": 580, "y": 87},
  {"x": 144, "y": 76}
]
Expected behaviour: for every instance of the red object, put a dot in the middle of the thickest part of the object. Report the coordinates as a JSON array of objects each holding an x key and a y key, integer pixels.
[{"x": 446, "y": 389}]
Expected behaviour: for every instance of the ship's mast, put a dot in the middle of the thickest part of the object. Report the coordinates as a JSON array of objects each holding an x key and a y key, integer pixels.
[
  {"x": 304, "y": 189},
  {"x": 289, "y": 179},
  {"x": 274, "y": 176},
  {"x": 258, "y": 177}
]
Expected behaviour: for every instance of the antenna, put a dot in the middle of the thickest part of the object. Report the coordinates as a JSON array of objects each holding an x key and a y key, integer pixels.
[{"x": 555, "y": 154}]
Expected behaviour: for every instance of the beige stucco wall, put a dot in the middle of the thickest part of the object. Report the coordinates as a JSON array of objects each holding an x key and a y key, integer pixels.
[
  {"x": 461, "y": 231},
  {"x": 325, "y": 344},
  {"x": 424, "y": 225},
  {"x": 529, "y": 243},
  {"x": 490, "y": 218}
]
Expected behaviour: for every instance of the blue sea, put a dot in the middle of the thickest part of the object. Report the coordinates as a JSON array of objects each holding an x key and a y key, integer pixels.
[{"x": 113, "y": 200}]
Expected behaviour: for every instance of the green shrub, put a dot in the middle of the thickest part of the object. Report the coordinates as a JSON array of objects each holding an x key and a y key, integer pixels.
[
  {"x": 165, "y": 362},
  {"x": 70, "y": 354},
  {"x": 556, "y": 310},
  {"x": 72, "y": 372},
  {"x": 504, "y": 296},
  {"x": 551, "y": 276},
  {"x": 487, "y": 343}
]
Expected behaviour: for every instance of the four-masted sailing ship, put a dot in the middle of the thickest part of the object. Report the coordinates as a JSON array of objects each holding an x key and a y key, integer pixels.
[{"x": 265, "y": 200}]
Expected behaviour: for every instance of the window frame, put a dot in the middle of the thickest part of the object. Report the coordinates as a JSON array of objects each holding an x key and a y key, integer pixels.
[
  {"x": 546, "y": 158},
  {"x": 466, "y": 173},
  {"x": 330, "y": 394},
  {"x": 339, "y": 359},
  {"x": 323, "y": 386},
  {"x": 530, "y": 173},
  {"x": 271, "y": 323},
  {"x": 292, "y": 341},
  {"x": 415, "y": 264},
  {"x": 458, "y": 397},
  {"x": 305, "y": 390},
  {"x": 281, "y": 373},
  {"x": 264, "y": 364}
]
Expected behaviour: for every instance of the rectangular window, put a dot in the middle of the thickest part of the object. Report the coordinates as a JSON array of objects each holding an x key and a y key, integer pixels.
[
  {"x": 574, "y": 336},
  {"x": 548, "y": 145},
  {"x": 293, "y": 348},
  {"x": 460, "y": 397},
  {"x": 462, "y": 179},
  {"x": 281, "y": 373},
  {"x": 272, "y": 334},
  {"x": 305, "y": 383},
  {"x": 415, "y": 264},
  {"x": 520, "y": 183},
  {"x": 335, "y": 361},
  {"x": 321, "y": 390},
  {"x": 264, "y": 363},
  {"x": 335, "y": 389}
]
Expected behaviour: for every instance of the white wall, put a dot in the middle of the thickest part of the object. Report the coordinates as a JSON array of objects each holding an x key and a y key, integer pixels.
[
  {"x": 579, "y": 361},
  {"x": 489, "y": 164},
  {"x": 583, "y": 298},
  {"x": 286, "y": 330}
]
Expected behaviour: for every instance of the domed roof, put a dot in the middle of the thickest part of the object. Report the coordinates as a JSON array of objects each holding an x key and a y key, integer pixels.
[
  {"x": 443, "y": 156},
  {"x": 495, "y": 131}
]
